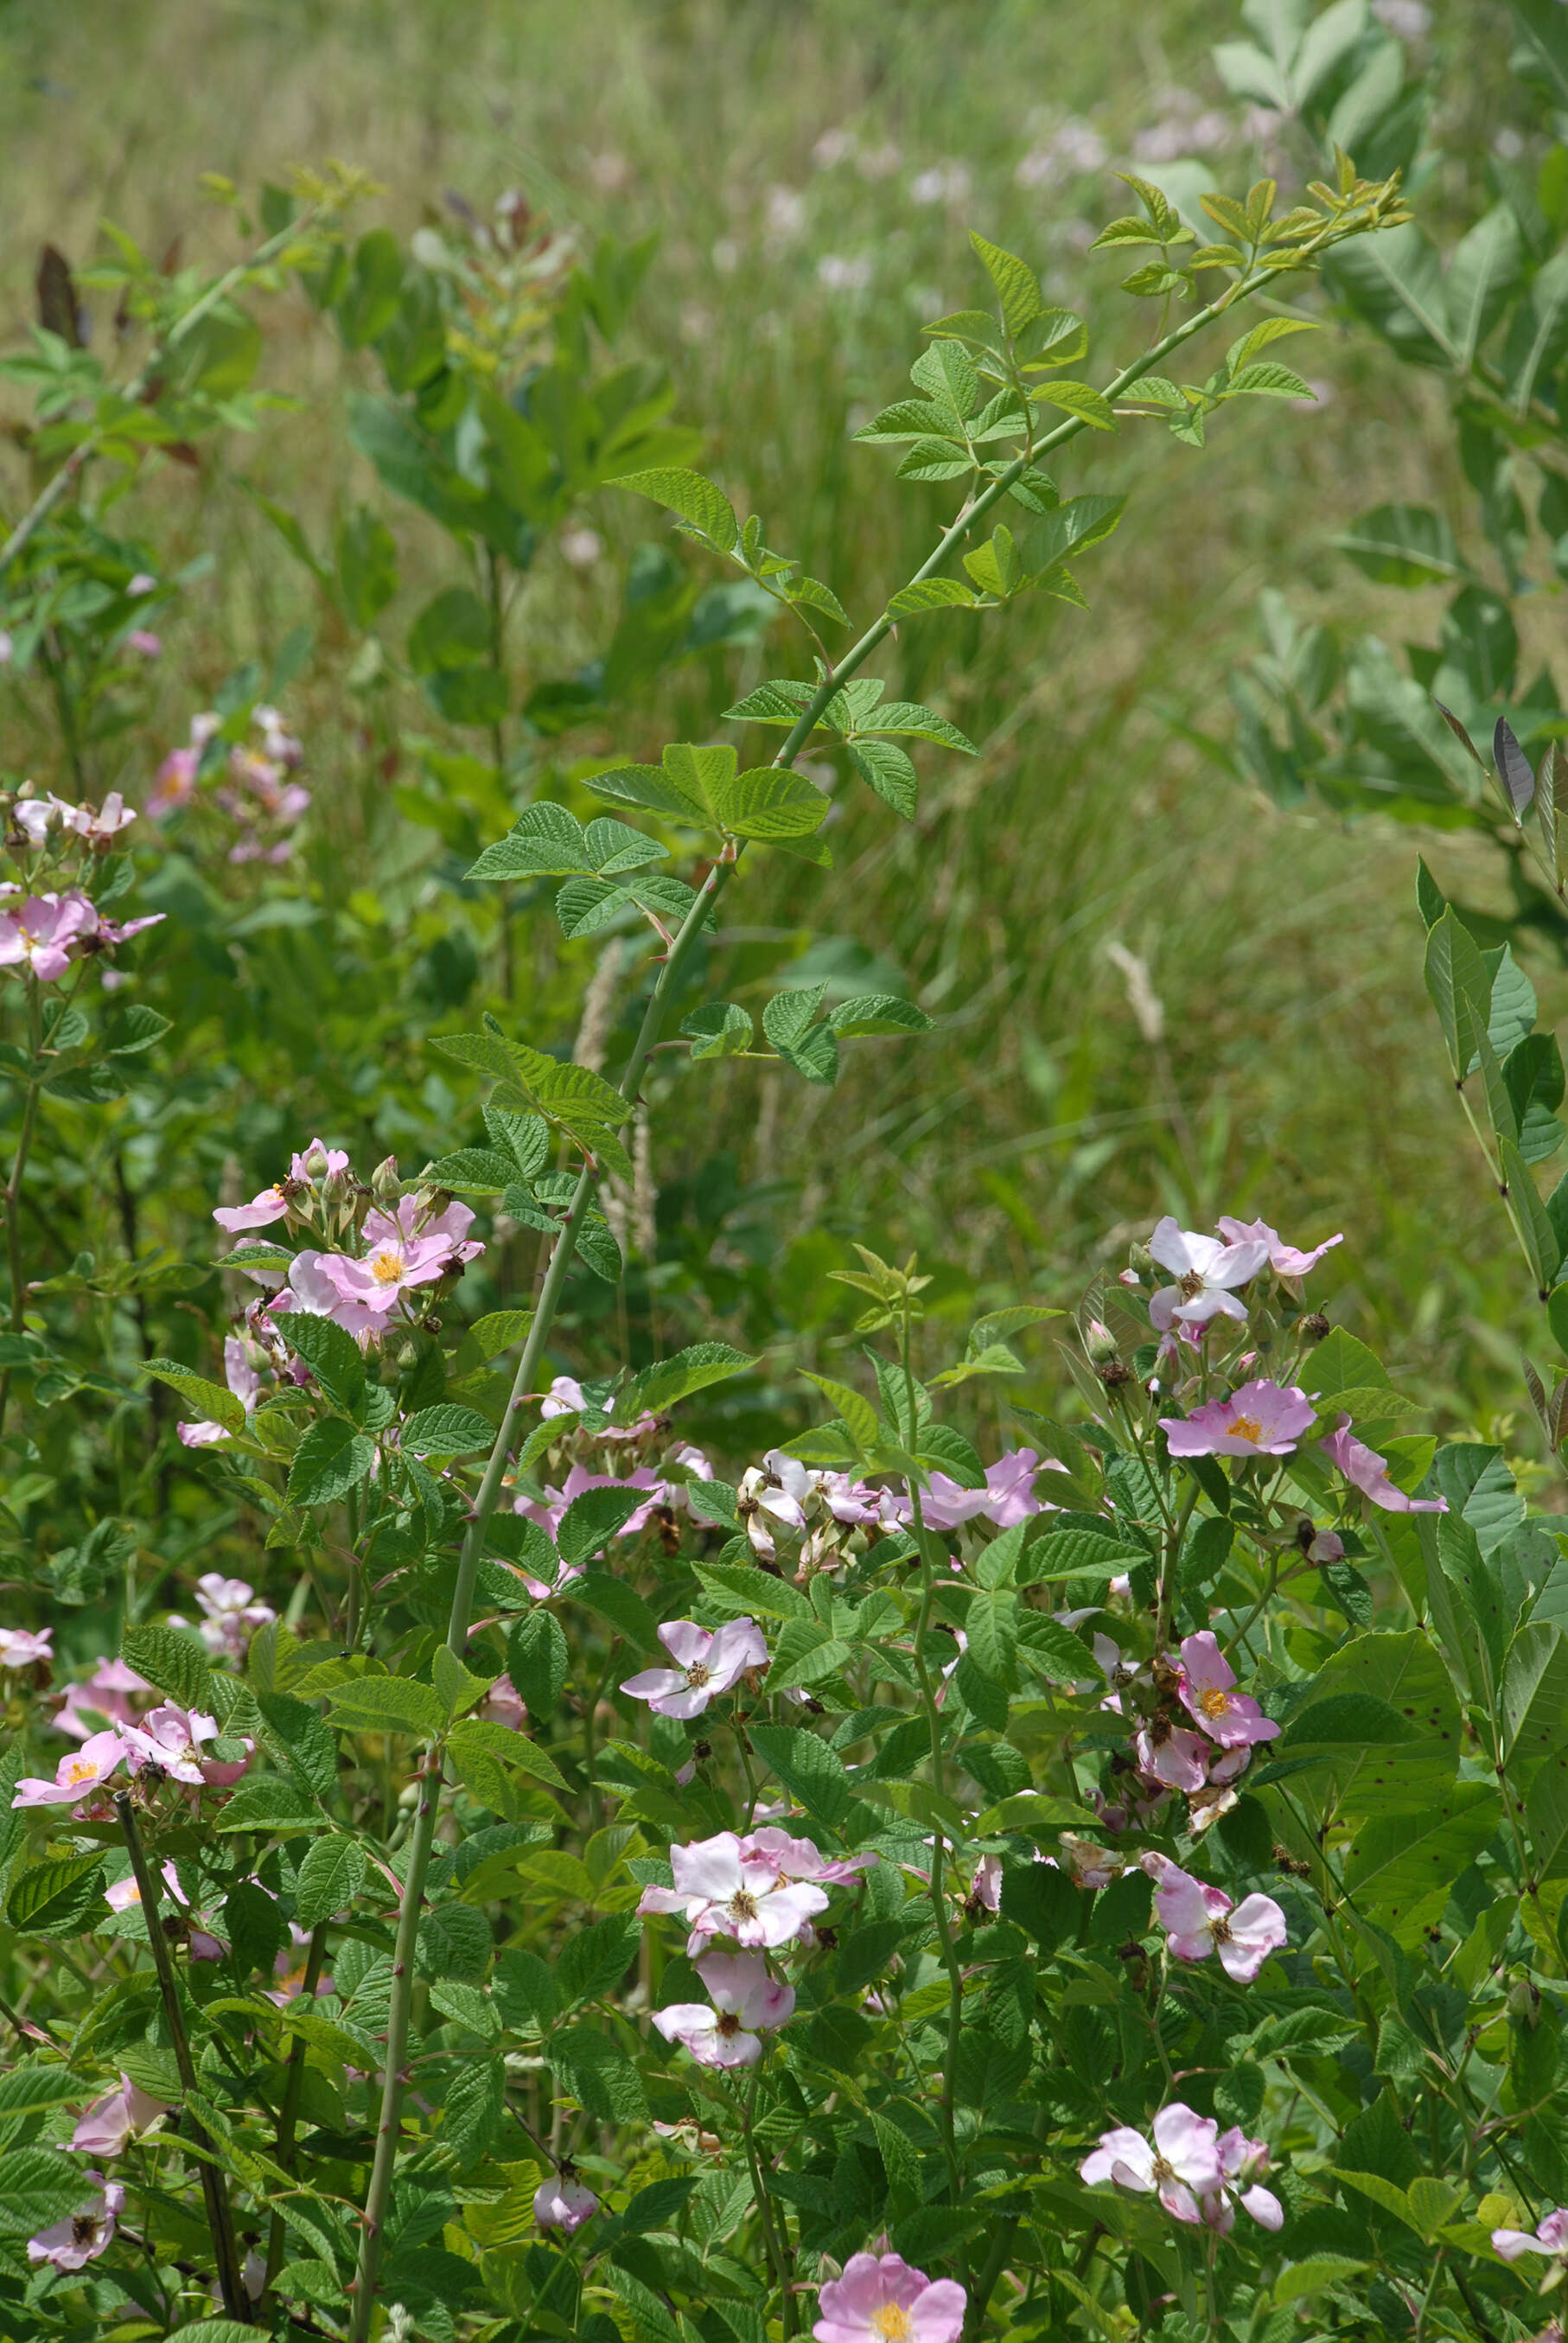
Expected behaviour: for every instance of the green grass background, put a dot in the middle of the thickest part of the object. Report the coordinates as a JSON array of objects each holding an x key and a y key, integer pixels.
[{"x": 1021, "y": 1147}]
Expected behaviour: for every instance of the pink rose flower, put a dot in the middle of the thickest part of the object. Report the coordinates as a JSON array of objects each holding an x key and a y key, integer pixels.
[
  {"x": 881, "y": 2299},
  {"x": 1231, "y": 1718},
  {"x": 579, "y": 1479},
  {"x": 45, "y": 933},
  {"x": 504, "y": 1704},
  {"x": 79, "y": 2239},
  {"x": 1182, "y": 2165},
  {"x": 171, "y": 1740},
  {"x": 231, "y": 1614},
  {"x": 34, "y": 816},
  {"x": 1285, "y": 1259},
  {"x": 78, "y": 1774},
  {"x": 109, "y": 1692},
  {"x": 799, "y": 1858},
  {"x": 1260, "y": 1419},
  {"x": 310, "y": 1290},
  {"x": 1369, "y": 1473},
  {"x": 393, "y": 1266},
  {"x": 270, "y": 1204},
  {"x": 1200, "y": 1920},
  {"x": 1207, "y": 1273},
  {"x": 985, "y": 1890},
  {"x": 723, "y": 1887},
  {"x": 747, "y": 2001},
  {"x": 174, "y": 783},
  {"x": 97, "y": 828},
  {"x": 113, "y": 932},
  {"x": 706, "y": 1666},
  {"x": 1007, "y": 1498}
]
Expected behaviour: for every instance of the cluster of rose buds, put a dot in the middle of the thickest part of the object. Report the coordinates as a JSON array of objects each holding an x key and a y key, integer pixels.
[
  {"x": 824, "y": 1519},
  {"x": 255, "y": 788},
  {"x": 387, "y": 1250}
]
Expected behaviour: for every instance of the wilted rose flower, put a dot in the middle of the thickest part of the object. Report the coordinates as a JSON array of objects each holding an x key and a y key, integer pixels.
[{"x": 79, "y": 2239}]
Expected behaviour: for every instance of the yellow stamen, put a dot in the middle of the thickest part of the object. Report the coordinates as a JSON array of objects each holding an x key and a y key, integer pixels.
[
  {"x": 1213, "y": 1702},
  {"x": 1246, "y": 1427},
  {"x": 386, "y": 1266},
  {"x": 892, "y": 2324}
]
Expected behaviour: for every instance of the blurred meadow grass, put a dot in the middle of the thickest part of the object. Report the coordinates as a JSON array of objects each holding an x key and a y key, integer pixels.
[{"x": 812, "y": 172}]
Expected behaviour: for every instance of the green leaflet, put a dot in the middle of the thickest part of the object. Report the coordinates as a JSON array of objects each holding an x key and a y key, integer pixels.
[
  {"x": 212, "y": 1399},
  {"x": 331, "y": 1460},
  {"x": 695, "y": 499},
  {"x": 1400, "y": 1868},
  {"x": 175, "y": 1661},
  {"x": 386, "y": 1705},
  {"x": 696, "y": 1369},
  {"x": 333, "y": 1872}
]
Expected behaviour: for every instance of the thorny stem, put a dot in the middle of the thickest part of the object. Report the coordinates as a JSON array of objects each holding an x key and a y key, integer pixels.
[
  {"x": 562, "y": 1258},
  {"x": 289, "y": 2112},
  {"x": 215, "y": 2189}
]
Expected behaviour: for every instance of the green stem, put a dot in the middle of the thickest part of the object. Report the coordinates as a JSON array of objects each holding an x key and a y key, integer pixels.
[
  {"x": 777, "y": 2255},
  {"x": 289, "y": 2112},
  {"x": 378, "y": 2197},
  {"x": 986, "y": 2278},
  {"x": 498, "y": 753},
  {"x": 951, "y": 538},
  {"x": 423, "y": 1836},
  {"x": 14, "y": 1184},
  {"x": 220, "y": 2215}
]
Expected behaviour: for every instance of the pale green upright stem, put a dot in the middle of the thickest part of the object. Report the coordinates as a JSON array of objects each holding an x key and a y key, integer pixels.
[
  {"x": 422, "y": 1839},
  {"x": 14, "y": 1184}
]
